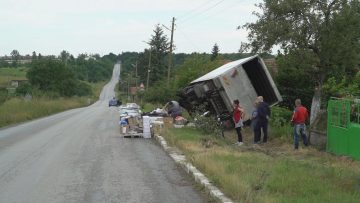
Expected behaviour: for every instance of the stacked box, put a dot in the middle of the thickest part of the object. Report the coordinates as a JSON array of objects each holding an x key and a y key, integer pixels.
[
  {"x": 132, "y": 121},
  {"x": 146, "y": 127},
  {"x": 157, "y": 127},
  {"x": 168, "y": 122}
]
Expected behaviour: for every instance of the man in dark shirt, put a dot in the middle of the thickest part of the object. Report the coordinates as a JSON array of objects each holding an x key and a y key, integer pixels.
[
  {"x": 299, "y": 117},
  {"x": 174, "y": 109},
  {"x": 263, "y": 115}
]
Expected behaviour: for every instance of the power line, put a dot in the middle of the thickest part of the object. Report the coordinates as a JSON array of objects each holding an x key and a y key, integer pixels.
[
  {"x": 196, "y": 14},
  {"x": 222, "y": 11},
  {"x": 217, "y": 13},
  {"x": 189, "y": 40},
  {"x": 194, "y": 9}
]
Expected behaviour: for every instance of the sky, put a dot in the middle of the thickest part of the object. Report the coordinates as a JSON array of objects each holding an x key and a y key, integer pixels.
[{"x": 94, "y": 26}]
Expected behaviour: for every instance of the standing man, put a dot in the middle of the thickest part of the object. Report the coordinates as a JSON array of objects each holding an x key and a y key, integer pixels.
[
  {"x": 237, "y": 116},
  {"x": 254, "y": 120},
  {"x": 263, "y": 115},
  {"x": 299, "y": 117}
]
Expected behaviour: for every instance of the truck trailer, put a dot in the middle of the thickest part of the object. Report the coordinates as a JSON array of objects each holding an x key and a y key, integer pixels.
[{"x": 244, "y": 79}]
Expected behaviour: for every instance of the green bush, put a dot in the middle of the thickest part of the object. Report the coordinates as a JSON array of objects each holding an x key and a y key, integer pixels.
[
  {"x": 3, "y": 95},
  {"x": 52, "y": 76},
  {"x": 23, "y": 89},
  {"x": 83, "y": 89},
  {"x": 206, "y": 124},
  {"x": 160, "y": 93},
  {"x": 280, "y": 122},
  {"x": 280, "y": 116}
]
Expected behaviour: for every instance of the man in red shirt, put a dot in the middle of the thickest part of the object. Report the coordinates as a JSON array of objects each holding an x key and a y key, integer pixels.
[{"x": 299, "y": 117}]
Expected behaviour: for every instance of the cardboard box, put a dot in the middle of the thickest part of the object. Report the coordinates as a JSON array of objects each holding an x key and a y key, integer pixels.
[
  {"x": 124, "y": 129},
  {"x": 168, "y": 122},
  {"x": 157, "y": 127},
  {"x": 132, "y": 121}
]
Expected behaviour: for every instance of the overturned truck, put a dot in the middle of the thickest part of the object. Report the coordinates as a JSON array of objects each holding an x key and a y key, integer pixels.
[{"x": 244, "y": 79}]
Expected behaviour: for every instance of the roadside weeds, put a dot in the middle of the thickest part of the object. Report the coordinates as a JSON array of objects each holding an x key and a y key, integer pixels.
[
  {"x": 271, "y": 172},
  {"x": 200, "y": 178}
]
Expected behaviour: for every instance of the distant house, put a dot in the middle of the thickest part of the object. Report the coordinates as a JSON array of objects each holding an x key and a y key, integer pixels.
[
  {"x": 271, "y": 65},
  {"x": 17, "y": 83}
]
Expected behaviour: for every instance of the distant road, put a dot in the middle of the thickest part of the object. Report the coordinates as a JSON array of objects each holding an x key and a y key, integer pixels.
[{"x": 79, "y": 156}]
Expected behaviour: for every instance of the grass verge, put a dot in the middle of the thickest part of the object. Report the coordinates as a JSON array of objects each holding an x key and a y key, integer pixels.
[
  {"x": 18, "y": 110},
  {"x": 271, "y": 172}
]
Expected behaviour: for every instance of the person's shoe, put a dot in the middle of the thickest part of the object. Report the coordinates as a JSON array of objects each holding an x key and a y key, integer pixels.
[
  {"x": 239, "y": 143},
  {"x": 257, "y": 142}
]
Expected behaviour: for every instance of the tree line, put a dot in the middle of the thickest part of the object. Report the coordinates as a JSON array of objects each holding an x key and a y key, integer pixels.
[
  {"x": 152, "y": 65},
  {"x": 66, "y": 75}
]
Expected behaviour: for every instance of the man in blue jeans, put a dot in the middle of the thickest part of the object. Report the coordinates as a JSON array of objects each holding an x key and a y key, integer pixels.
[
  {"x": 299, "y": 117},
  {"x": 263, "y": 115}
]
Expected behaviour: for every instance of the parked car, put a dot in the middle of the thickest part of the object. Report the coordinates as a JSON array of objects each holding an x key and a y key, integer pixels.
[{"x": 114, "y": 102}]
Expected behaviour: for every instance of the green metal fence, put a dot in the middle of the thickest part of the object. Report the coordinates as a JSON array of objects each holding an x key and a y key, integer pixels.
[{"x": 343, "y": 127}]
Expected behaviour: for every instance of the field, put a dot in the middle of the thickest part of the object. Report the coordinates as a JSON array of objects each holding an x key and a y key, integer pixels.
[
  {"x": 8, "y": 74},
  {"x": 271, "y": 172}
]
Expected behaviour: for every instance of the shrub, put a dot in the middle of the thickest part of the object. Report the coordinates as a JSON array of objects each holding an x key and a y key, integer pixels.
[
  {"x": 207, "y": 124},
  {"x": 23, "y": 89},
  {"x": 280, "y": 122},
  {"x": 83, "y": 89},
  {"x": 3, "y": 95}
]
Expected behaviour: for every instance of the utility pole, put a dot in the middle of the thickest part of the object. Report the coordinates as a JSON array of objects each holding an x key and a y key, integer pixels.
[
  {"x": 148, "y": 72},
  {"x": 136, "y": 75},
  {"x": 171, "y": 47},
  {"x": 128, "y": 87}
]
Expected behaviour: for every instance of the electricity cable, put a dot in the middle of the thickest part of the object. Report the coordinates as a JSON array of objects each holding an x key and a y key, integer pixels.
[
  {"x": 204, "y": 11},
  {"x": 194, "y": 9}
]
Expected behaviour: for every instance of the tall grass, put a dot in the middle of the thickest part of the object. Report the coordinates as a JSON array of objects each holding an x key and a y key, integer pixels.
[
  {"x": 270, "y": 173},
  {"x": 18, "y": 110}
]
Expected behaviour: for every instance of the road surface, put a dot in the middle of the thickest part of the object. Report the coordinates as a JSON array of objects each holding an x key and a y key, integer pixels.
[{"x": 79, "y": 156}]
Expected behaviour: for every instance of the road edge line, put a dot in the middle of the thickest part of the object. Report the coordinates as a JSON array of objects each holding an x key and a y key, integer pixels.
[{"x": 196, "y": 174}]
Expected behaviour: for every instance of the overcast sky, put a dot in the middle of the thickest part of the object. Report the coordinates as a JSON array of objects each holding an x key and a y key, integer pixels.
[{"x": 94, "y": 26}]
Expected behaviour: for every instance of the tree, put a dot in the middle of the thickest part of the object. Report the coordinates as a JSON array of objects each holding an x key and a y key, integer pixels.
[
  {"x": 52, "y": 76},
  {"x": 33, "y": 56},
  {"x": 15, "y": 56},
  {"x": 194, "y": 67},
  {"x": 64, "y": 56},
  {"x": 329, "y": 30},
  {"x": 159, "y": 46},
  {"x": 294, "y": 73},
  {"x": 214, "y": 52}
]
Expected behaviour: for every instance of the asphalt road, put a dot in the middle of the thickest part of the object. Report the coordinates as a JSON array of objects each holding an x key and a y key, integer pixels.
[{"x": 79, "y": 156}]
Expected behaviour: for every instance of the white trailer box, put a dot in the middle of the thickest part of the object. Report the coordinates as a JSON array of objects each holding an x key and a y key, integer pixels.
[{"x": 243, "y": 79}]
